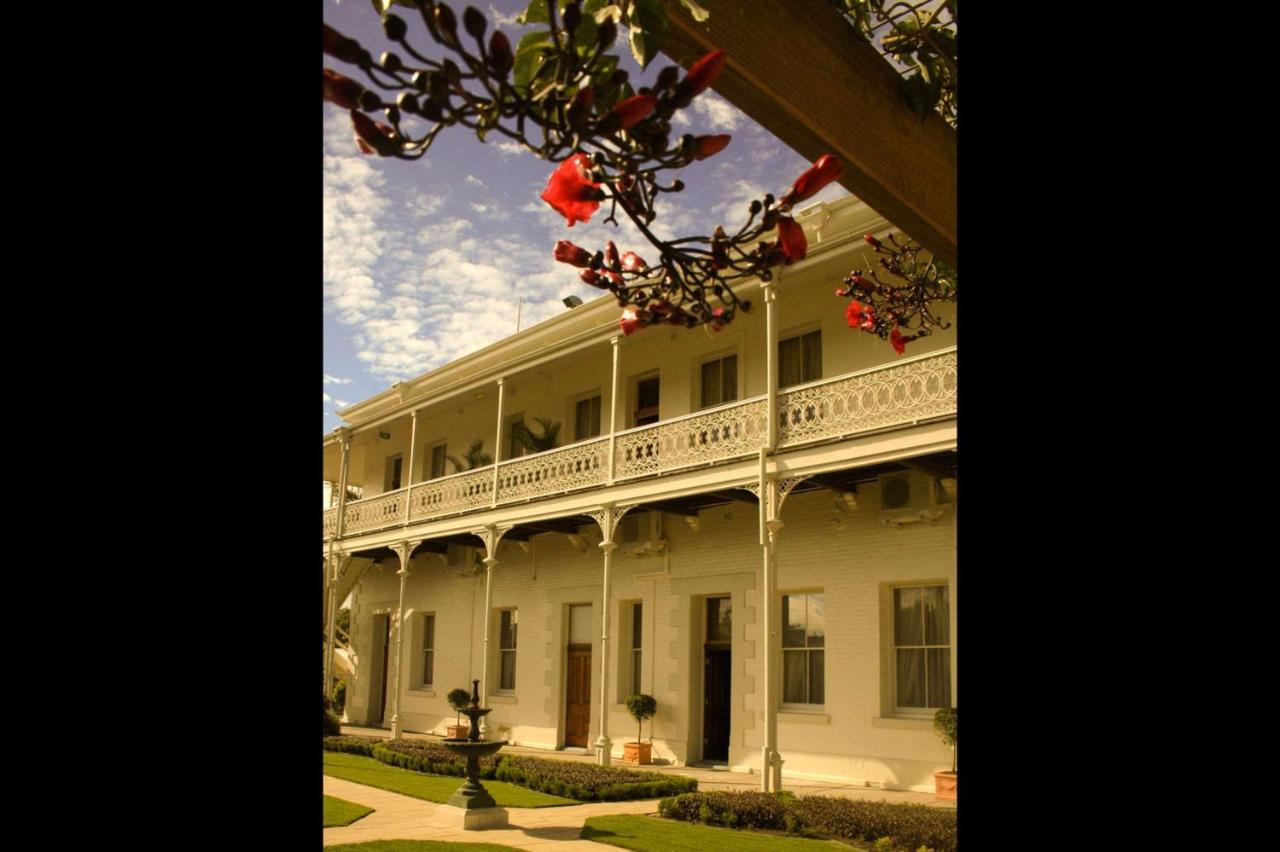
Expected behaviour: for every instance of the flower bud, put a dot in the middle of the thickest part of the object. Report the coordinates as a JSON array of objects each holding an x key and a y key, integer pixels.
[
  {"x": 390, "y": 61},
  {"x": 872, "y": 241},
  {"x": 572, "y": 16},
  {"x": 824, "y": 171},
  {"x": 590, "y": 276},
  {"x": 395, "y": 27},
  {"x": 369, "y": 101},
  {"x": 567, "y": 252},
  {"x": 633, "y": 262},
  {"x": 703, "y": 73},
  {"x": 474, "y": 23},
  {"x": 579, "y": 112},
  {"x": 707, "y": 146},
  {"x": 373, "y": 136},
  {"x": 633, "y": 110},
  {"x": 446, "y": 24},
  {"x": 340, "y": 47},
  {"x": 407, "y": 103},
  {"x": 500, "y": 58},
  {"x": 606, "y": 33},
  {"x": 792, "y": 240},
  {"x": 895, "y": 340},
  {"x": 611, "y": 255},
  {"x": 667, "y": 78},
  {"x": 430, "y": 110},
  {"x": 341, "y": 90},
  {"x": 719, "y": 319},
  {"x": 632, "y": 321}
]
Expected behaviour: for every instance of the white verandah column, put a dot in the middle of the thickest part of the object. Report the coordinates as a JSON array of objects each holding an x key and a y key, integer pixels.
[
  {"x": 497, "y": 445},
  {"x": 607, "y": 517},
  {"x": 405, "y": 552}
]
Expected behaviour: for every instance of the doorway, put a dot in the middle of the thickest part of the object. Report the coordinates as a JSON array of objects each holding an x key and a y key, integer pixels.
[
  {"x": 717, "y": 680},
  {"x": 381, "y": 656},
  {"x": 577, "y": 697}
]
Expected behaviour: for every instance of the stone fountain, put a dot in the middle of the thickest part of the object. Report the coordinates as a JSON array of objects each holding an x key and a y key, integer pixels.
[{"x": 471, "y": 806}]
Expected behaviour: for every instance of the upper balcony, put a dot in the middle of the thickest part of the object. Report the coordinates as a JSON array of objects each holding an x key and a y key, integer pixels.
[{"x": 906, "y": 392}]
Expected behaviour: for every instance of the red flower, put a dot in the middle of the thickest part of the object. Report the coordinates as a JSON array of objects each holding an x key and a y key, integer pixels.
[
  {"x": 611, "y": 255},
  {"x": 631, "y": 322},
  {"x": 500, "y": 57},
  {"x": 861, "y": 283},
  {"x": 717, "y": 321},
  {"x": 821, "y": 173},
  {"x": 791, "y": 238},
  {"x": 706, "y": 146},
  {"x": 590, "y": 276},
  {"x": 341, "y": 90},
  {"x": 872, "y": 241},
  {"x": 339, "y": 46},
  {"x": 374, "y": 137},
  {"x": 860, "y": 316},
  {"x": 567, "y": 252},
  {"x": 571, "y": 192},
  {"x": 633, "y": 262},
  {"x": 703, "y": 73},
  {"x": 895, "y": 338},
  {"x": 633, "y": 110}
]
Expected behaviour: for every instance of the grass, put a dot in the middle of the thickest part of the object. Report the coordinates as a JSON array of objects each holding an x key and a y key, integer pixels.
[
  {"x": 662, "y": 835},
  {"x": 432, "y": 788},
  {"x": 414, "y": 846},
  {"x": 342, "y": 812}
]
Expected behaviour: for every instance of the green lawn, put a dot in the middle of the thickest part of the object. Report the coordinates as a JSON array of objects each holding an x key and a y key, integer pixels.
[
  {"x": 414, "y": 846},
  {"x": 341, "y": 812},
  {"x": 433, "y": 788},
  {"x": 663, "y": 835}
]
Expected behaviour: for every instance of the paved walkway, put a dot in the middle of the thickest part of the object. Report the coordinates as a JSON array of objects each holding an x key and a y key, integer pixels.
[{"x": 708, "y": 779}]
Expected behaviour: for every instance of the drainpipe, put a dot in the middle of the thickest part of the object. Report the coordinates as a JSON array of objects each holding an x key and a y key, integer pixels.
[
  {"x": 497, "y": 450},
  {"x": 413, "y": 440},
  {"x": 604, "y": 746},
  {"x": 613, "y": 410}
]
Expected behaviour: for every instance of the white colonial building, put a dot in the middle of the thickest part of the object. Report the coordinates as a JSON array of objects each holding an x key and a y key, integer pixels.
[{"x": 756, "y": 526}]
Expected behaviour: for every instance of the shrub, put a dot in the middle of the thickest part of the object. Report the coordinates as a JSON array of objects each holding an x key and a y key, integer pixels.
[
  {"x": 351, "y": 744},
  {"x": 459, "y": 700},
  {"x": 339, "y": 696},
  {"x": 588, "y": 782},
  {"x": 642, "y": 707},
  {"x": 332, "y": 727},
  {"x": 430, "y": 757},
  {"x": 886, "y": 825}
]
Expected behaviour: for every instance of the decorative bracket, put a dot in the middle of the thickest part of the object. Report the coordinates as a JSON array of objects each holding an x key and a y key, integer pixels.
[
  {"x": 607, "y": 516},
  {"x": 405, "y": 550},
  {"x": 492, "y": 535}
]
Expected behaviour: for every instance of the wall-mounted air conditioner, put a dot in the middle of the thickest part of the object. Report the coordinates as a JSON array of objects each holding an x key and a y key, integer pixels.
[
  {"x": 908, "y": 496},
  {"x": 640, "y": 533}
]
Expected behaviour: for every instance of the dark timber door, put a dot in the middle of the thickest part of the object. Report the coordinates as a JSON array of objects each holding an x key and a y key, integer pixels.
[
  {"x": 577, "y": 699},
  {"x": 384, "y": 639},
  {"x": 716, "y": 682}
]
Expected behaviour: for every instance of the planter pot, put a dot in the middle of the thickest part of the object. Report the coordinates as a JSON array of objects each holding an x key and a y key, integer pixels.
[
  {"x": 459, "y": 732},
  {"x": 639, "y": 753},
  {"x": 944, "y": 786}
]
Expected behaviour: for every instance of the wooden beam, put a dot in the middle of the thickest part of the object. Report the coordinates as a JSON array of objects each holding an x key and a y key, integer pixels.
[
  {"x": 835, "y": 482},
  {"x": 800, "y": 71},
  {"x": 673, "y": 507},
  {"x": 933, "y": 467}
]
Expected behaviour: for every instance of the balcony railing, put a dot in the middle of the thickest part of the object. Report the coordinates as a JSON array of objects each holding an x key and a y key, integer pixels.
[{"x": 900, "y": 394}]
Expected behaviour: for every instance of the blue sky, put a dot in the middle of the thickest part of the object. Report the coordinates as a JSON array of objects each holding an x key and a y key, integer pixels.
[{"x": 424, "y": 261}]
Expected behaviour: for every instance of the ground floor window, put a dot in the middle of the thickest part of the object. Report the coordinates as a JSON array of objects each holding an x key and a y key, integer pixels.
[
  {"x": 921, "y": 648},
  {"x": 428, "y": 648},
  {"x": 803, "y": 642},
  {"x": 508, "y": 621}
]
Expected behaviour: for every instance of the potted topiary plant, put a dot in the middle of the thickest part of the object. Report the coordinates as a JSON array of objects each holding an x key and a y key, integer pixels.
[
  {"x": 944, "y": 722},
  {"x": 640, "y": 707},
  {"x": 458, "y": 699}
]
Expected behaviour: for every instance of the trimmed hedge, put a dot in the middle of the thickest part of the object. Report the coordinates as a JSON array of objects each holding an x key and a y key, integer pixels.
[
  {"x": 429, "y": 757},
  {"x": 908, "y": 826},
  {"x": 588, "y": 782},
  {"x": 351, "y": 744}
]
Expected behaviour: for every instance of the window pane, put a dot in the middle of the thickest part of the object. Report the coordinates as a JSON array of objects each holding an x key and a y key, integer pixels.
[
  {"x": 582, "y": 420},
  {"x": 711, "y": 383},
  {"x": 635, "y": 672},
  {"x": 428, "y": 666},
  {"x": 937, "y": 616},
  {"x": 437, "y": 461},
  {"x": 647, "y": 394},
  {"x": 508, "y": 680},
  {"x": 789, "y": 362},
  {"x": 816, "y": 686},
  {"x": 637, "y": 625},
  {"x": 815, "y": 632},
  {"x": 939, "y": 660},
  {"x": 793, "y": 675},
  {"x": 507, "y": 638},
  {"x": 908, "y": 627},
  {"x": 719, "y": 620},
  {"x": 793, "y": 621},
  {"x": 813, "y": 356},
  {"x": 595, "y": 416},
  {"x": 911, "y": 678},
  {"x": 580, "y": 625},
  {"x": 429, "y": 633},
  {"x": 729, "y": 379}
]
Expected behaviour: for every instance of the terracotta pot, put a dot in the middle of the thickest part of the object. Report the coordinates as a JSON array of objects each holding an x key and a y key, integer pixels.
[
  {"x": 637, "y": 753},
  {"x": 459, "y": 732},
  {"x": 945, "y": 786}
]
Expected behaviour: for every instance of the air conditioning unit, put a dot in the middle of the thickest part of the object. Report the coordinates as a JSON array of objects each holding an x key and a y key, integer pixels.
[
  {"x": 462, "y": 557},
  {"x": 908, "y": 496},
  {"x": 640, "y": 533}
]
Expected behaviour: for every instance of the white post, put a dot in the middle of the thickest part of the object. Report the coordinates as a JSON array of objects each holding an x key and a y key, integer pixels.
[
  {"x": 489, "y": 563},
  {"x": 497, "y": 450},
  {"x": 413, "y": 440},
  {"x": 613, "y": 409},
  {"x": 345, "y": 436},
  {"x": 331, "y": 620},
  {"x": 775, "y": 524},
  {"x": 604, "y": 746},
  {"x": 771, "y": 358},
  {"x": 405, "y": 551}
]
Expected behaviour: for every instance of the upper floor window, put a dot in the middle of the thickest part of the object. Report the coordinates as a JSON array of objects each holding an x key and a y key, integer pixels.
[
  {"x": 586, "y": 418},
  {"x": 438, "y": 457},
  {"x": 804, "y": 625},
  {"x": 646, "y": 402},
  {"x": 514, "y": 448},
  {"x": 719, "y": 381},
  {"x": 428, "y": 648},
  {"x": 391, "y": 478},
  {"x": 922, "y": 647},
  {"x": 508, "y": 622},
  {"x": 800, "y": 359}
]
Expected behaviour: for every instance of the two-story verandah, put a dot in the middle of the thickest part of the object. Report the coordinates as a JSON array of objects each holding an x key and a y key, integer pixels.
[{"x": 842, "y": 693}]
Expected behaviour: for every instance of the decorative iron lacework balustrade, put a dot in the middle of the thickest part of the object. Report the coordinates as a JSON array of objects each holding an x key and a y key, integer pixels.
[
  {"x": 374, "y": 513},
  {"x": 581, "y": 465},
  {"x": 709, "y": 436},
  {"x": 899, "y": 394},
  {"x": 871, "y": 399},
  {"x": 448, "y": 495}
]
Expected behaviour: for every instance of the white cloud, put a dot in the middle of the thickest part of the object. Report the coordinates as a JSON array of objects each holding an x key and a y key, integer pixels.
[
  {"x": 472, "y": 180},
  {"x": 341, "y": 403},
  {"x": 499, "y": 18},
  {"x": 334, "y": 380},
  {"x": 718, "y": 112},
  {"x": 509, "y": 149},
  {"x": 328, "y": 398}
]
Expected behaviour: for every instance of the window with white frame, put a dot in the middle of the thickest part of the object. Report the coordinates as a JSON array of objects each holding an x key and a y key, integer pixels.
[
  {"x": 719, "y": 381},
  {"x": 428, "y": 648},
  {"x": 439, "y": 454},
  {"x": 800, "y": 359},
  {"x": 804, "y": 627},
  {"x": 507, "y": 623},
  {"x": 586, "y": 418},
  {"x": 921, "y": 648},
  {"x": 637, "y": 633}
]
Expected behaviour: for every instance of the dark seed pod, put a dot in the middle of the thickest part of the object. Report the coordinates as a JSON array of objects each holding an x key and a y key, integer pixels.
[
  {"x": 572, "y": 16},
  {"x": 500, "y": 57},
  {"x": 430, "y": 110},
  {"x": 446, "y": 24},
  {"x": 390, "y": 62},
  {"x": 606, "y": 34},
  {"x": 407, "y": 102},
  {"x": 667, "y": 77},
  {"x": 369, "y": 101},
  {"x": 474, "y": 22},
  {"x": 755, "y": 206},
  {"x": 395, "y": 27},
  {"x": 393, "y": 114},
  {"x": 620, "y": 77},
  {"x": 420, "y": 80}
]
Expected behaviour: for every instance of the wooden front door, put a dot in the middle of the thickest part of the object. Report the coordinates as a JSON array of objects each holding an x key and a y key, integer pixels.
[
  {"x": 716, "y": 692},
  {"x": 383, "y": 634},
  {"x": 577, "y": 700}
]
